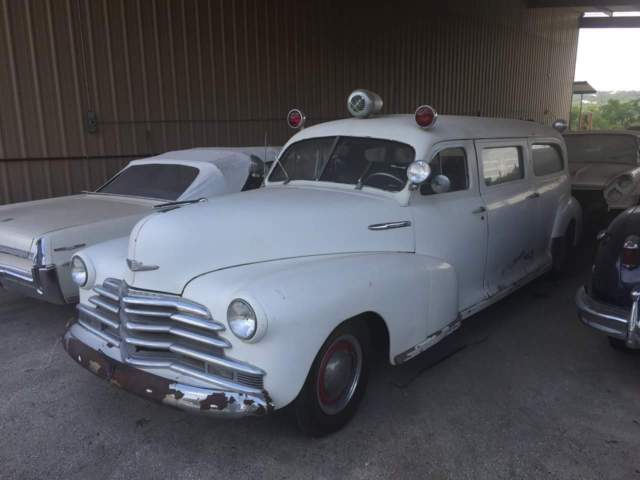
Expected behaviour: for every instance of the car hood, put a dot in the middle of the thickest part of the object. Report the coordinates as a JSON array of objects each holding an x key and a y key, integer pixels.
[
  {"x": 22, "y": 223},
  {"x": 596, "y": 175},
  {"x": 262, "y": 225}
]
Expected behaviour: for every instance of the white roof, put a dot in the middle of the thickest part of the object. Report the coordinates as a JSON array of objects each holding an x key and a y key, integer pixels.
[
  {"x": 221, "y": 170},
  {"x": 403, "y": 128}
]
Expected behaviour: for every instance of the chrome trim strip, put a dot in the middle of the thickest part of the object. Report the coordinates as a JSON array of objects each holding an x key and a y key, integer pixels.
[
  {"x": 98, "y": 302},
  {"x": 103, "y": 335},
  {"x": 195, "y": 322},
  {"x": 106, "y": 293},
  {"x": 93, "y": 313},
  {"x": 390, "y": 225},
  {"x": 22, "y": 275},
  {"x": 15, "y": 252},
  {"x": 177, "y": 303},
  {"x": 70, "y": 248},
  {"x": 178, "y": 332}
]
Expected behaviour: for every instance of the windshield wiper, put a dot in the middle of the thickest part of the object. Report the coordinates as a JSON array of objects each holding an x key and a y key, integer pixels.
[{"x": 180, "y": 203}]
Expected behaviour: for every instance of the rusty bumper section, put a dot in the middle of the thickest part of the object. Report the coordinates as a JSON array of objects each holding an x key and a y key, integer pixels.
[{"x": 159, "y": 389}]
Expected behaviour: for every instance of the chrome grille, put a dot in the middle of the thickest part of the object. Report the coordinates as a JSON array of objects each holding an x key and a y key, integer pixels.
[{"x": 165, "y": 331}]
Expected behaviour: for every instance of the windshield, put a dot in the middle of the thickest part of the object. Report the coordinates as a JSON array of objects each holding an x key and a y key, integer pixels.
[
  {"x": 351, "y": 160},
  {"x": 165, "y": 182},
  {"x": 602, "y": 148}
]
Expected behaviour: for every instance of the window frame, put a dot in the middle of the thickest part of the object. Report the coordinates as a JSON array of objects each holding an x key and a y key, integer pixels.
[
  {"x": 449, "y": 146},
  {"x": 521, "y": 143},
  {"x": 559, "y": 144}
]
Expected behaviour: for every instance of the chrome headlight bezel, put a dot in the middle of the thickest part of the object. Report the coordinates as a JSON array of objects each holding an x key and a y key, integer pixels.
[
  {"x": 242, "y": 319},
  {"x": 79, "y": 271}
]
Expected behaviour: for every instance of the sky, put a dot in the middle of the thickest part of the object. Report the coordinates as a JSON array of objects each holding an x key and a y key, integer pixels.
[{"x": 609, "y": 58}]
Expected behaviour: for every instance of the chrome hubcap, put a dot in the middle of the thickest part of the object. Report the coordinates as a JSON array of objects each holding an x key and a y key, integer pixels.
[{"x": 340, "y": 370}]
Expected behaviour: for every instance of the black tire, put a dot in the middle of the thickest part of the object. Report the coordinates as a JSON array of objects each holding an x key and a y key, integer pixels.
[
  {"x": 311, "y": 413},
  {"x": 563, "y": 251},
  {"x": 619, "y": 345}
]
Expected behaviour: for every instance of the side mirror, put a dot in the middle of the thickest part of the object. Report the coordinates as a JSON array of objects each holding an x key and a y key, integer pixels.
[
  {"x": 440, "y": 184},
  {"x": 257, "y": 169},
  {"x": 418, "y": 172},
  {"x": 560, "y": 125}
]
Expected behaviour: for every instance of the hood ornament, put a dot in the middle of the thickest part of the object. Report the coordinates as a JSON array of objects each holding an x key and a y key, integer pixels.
[{"x": 136, "y": 266}]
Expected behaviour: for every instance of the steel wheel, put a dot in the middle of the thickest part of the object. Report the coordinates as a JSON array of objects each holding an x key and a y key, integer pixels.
[{"x": 339, "y": 373}]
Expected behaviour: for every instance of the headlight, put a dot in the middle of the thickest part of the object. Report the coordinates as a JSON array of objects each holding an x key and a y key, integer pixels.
[
  {"x": 79, "y": 273},
  {"x": 242, "y": 319},
  {"x": 625, "y": 183}
]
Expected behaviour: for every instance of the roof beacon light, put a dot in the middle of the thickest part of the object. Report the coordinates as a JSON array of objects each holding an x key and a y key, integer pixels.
[
  {"x": 363, "y": 103},
  {"x": 560, "y": 125},
  {"x": 426, "y": 116},
  {"x": 295, "y": 118}
]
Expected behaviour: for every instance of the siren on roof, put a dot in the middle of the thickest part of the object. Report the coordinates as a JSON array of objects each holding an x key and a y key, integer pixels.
[
  {"x": 560, "y": 125},
  {"x": 426, "y": 116},
  {"x": 363, "y": 103},
  {"x": 296, "y": 119}
]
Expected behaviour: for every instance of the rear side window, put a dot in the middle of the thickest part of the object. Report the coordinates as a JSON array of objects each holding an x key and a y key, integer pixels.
[
  {"x": 502, "y": 165},
  {"x": 166, "y": 182},
  {"x": 452, "y": 163},
  {"x": 547, "y": 159}
]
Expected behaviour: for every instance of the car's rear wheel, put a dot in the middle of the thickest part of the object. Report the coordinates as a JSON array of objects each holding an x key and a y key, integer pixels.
[{"x": 336, "y": 382}]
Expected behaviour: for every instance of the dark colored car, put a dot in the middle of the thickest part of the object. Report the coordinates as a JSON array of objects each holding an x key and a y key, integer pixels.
[{"x": 609, "y": 302}]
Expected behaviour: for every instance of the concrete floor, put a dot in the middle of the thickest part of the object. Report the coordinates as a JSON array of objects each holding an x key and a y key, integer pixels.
[{"x": 521, "y": 391}]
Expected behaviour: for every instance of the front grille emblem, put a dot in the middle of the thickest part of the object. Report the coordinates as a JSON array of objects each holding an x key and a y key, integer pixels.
[{"x": 136, "y": 266}]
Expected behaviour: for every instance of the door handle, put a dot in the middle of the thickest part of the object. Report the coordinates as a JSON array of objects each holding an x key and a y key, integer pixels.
[
  {"x": 533, "y": 195},
  {"x": 479, "y": 210}
]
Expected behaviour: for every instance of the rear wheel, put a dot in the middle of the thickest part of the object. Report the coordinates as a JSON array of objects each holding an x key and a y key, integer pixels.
[{"x": 336, "y": 382}]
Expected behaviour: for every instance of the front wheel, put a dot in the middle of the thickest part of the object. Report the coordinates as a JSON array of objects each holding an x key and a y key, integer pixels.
[
  {"x": 563, "y": 251},
  {"x": 336, "y": 382}
]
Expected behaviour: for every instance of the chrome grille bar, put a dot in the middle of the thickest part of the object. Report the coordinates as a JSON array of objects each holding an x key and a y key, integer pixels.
[
  {"x": 178, "y": 332},
  {"x": 157, "y": 330},
  {"x": 96, "y": 315}
]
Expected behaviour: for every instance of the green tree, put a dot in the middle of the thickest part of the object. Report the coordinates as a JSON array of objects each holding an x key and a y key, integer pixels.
[{"x": 614, "y": 114}]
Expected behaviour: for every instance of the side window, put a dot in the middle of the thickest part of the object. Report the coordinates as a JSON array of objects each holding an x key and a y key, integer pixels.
[
  {"x": 502, "y": 164},
  {"x": 547, "y": 159},
  {"x": 452, "y": 163}
]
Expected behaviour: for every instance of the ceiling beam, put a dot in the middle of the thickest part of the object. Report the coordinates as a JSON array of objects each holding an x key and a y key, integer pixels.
[{"x": 610, "y": 22}]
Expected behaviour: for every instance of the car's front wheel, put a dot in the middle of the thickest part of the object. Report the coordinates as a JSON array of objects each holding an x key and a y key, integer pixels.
[{"x": 336, "y": 382}]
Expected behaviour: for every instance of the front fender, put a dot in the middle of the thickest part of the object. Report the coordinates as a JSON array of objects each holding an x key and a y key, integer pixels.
[
  {"x": 303, "y": 300},
  {"x": 569, "y": 209},
  {"x": 103, "y": 260}
]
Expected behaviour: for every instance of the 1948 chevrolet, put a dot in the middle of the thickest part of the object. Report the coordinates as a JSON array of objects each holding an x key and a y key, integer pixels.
[{"x": 375, "y": 234}]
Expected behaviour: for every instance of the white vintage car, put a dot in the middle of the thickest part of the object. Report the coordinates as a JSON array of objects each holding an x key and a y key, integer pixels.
[
  {"x": 38, "y": 238},
  {"x": 373, "y": 235},
  {"x": 605, "y": 167}
]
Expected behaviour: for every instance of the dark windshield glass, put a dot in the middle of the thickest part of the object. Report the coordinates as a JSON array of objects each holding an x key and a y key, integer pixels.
[
  {"x": 603, "y": 148},
  {"x": 352, "y": 160},
  {"x": 166, "y": 182}
]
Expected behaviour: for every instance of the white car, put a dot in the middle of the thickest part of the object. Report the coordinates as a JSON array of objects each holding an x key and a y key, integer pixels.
[
  {"x": 373, "y": 235},
  {"x": 605, "y": 167},
  {"x": 38, "y": 238}
]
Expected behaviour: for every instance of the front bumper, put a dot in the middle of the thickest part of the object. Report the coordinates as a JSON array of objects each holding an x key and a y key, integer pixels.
[
  {"x": 215, "y": 402},
  {"x": 41, "y": 282},
  {"x": 616, "y": 322}
]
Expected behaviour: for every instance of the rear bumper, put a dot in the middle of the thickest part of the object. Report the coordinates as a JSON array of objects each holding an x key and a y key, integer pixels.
[
  {"x": 616, "y": 322},
  {"x": 214, "y": 402},
  {"x": 39, "y": 282}
]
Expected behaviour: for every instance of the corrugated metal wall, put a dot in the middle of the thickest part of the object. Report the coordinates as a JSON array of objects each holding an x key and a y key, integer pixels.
[{"x": 169, "y": 74}]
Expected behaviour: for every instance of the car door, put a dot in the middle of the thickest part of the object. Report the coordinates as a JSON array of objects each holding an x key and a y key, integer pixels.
[
  {"x": 510, "y": 211},
  {"x": 451, "y": 226},
  {"x": 550, "y": 182}
]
